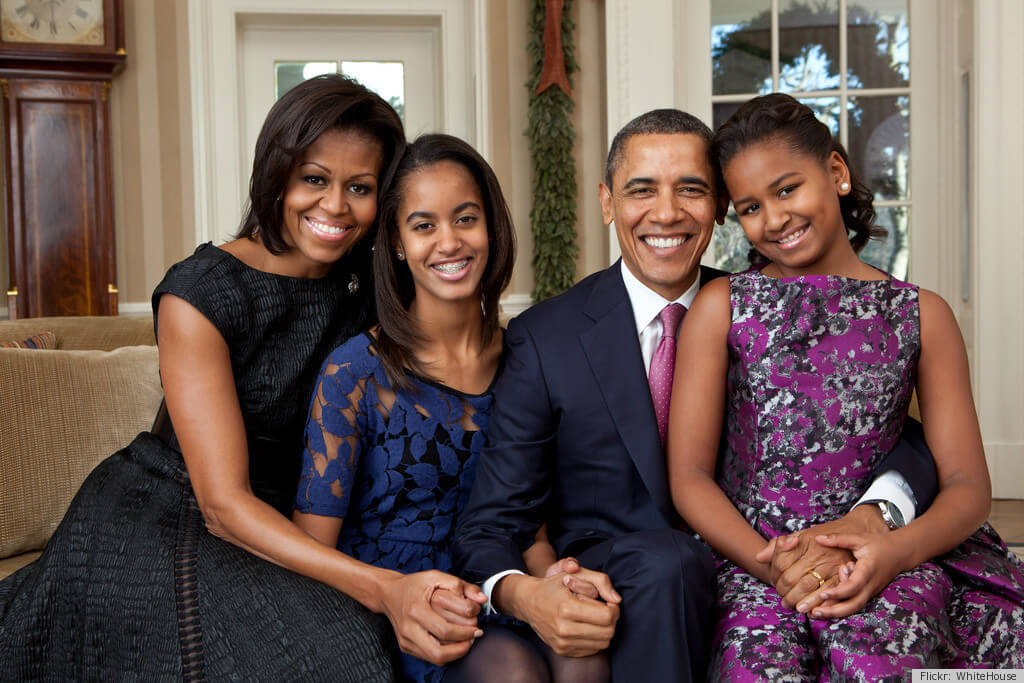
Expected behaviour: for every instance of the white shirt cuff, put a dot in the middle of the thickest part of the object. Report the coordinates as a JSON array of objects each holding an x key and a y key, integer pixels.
[
  {"x": 891, "y": 486},
  {"x": 489, "y": 585}
]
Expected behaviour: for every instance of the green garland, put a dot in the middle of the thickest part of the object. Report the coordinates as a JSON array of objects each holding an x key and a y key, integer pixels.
[{"x": 553, "y": 216}]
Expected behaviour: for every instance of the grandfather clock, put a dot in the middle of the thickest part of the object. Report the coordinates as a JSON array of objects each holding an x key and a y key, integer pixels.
[{"x": 57, "y": 60}]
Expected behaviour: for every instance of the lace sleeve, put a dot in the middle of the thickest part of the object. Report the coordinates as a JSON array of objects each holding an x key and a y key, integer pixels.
[{"x": 333, "y": 443}]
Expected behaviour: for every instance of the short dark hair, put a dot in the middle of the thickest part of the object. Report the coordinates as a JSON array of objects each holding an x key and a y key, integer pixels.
[
  {"x": 294, "y": 123},
  {"x": 781, "y": 117},
  {"x": 655, "y": 122},
  {"x": 394, "y": 288}
]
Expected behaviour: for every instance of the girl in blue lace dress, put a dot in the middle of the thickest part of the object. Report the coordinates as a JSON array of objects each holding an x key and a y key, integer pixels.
[
  {"x": 399, "y": 414},
  {"x": 811, "y": 362}
]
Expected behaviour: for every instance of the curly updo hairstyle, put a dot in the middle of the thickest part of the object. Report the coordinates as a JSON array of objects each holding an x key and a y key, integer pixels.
[{"x": 781, "y": 117}]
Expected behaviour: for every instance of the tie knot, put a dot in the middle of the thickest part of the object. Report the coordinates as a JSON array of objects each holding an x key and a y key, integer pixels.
[{"x": 670, "y": 317}]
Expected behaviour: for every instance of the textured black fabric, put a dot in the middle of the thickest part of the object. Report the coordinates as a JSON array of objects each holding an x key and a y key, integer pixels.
[{"x": 133, "y": 587}]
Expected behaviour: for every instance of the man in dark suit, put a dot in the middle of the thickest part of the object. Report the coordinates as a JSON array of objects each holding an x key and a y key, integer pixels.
[{"x": 575, "y": 437}]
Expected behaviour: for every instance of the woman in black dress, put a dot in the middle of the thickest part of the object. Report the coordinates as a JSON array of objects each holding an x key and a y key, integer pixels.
[{"x": 177, "y": 558}]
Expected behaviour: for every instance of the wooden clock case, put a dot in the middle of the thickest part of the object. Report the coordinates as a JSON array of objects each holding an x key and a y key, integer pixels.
[{"x": 57, "y": 172}]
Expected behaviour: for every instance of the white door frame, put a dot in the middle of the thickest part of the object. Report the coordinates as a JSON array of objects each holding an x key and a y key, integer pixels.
[{"x": 220, "y": 185}]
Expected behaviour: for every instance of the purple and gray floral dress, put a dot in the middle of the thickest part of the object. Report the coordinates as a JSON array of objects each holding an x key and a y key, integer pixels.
[{"x": 821, "y": 371}]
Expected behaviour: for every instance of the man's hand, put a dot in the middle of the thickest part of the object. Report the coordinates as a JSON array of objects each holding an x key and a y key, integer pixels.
[
  {"x": 572, "y": 625},
  {"x": 420, "y": 630},
  {"x": 793, "y": 557}
]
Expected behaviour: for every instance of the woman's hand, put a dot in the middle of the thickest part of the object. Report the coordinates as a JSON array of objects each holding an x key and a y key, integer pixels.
[
  {"x": 421, "y": 631},
  {"x": 880, "y": 556},
  {"x": 590, "y": 584},
  {"x": 794, "y": 556}
]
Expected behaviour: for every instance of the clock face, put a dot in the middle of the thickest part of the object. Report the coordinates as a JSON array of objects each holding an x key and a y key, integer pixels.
[{"x": 75, "y": 22}]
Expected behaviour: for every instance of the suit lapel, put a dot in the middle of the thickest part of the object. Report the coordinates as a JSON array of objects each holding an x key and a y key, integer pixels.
[{"x": 613, "y": 351}]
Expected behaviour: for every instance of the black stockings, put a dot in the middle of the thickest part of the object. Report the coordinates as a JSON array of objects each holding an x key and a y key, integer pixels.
[{"x": 510, "y": 654}]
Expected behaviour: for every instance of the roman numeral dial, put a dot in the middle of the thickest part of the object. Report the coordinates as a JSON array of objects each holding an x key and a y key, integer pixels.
[{"x": 72, "y": 22}]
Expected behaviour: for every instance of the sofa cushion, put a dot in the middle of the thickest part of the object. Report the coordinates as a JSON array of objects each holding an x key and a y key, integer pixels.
[
  {"x": 85, "y": 331},
  {"x": 61, "y": 413},
  {"x": 9, "y": 565},
  {"x": 43, "y": 340}
]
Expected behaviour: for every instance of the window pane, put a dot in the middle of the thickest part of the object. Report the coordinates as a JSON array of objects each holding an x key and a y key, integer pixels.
[
  {"x": 730, "y": 247},
  {"x": 741, "y": 43},
  {"x": 287, "y": 75},
  {"x": 878, "y": 44},
  {"x": 721, "y": 111},
  {"x": 387, "y": 79},
  {"x": 879, "y": 137},
  {"x": 808, "y": 45},
  {"x": 891, "y": 253},
  {"x": 826, "y": 109}
]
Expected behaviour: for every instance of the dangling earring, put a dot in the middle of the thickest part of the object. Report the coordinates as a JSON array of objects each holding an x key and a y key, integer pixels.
[
  {"x": 353, "y": 284},
  {"x": 845, "y": 187}
]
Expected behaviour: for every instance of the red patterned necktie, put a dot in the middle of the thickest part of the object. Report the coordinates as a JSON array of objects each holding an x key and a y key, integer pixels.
[{"x": 663, "y": 364}]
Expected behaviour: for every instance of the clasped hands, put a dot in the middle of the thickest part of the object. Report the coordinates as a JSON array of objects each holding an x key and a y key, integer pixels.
[
  {"x": 831, "y": 570},
  {"x": 434, "y": 615}
]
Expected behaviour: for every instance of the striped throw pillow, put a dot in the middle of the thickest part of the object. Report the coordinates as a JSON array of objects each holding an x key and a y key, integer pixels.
[{"x": 44, "y": 340}]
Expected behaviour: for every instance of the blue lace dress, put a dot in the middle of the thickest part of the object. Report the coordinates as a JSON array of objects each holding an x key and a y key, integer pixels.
[{"x": 397, "y": 465}]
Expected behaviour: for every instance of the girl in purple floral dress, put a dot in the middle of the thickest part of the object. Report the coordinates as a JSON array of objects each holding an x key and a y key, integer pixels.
[{"x": 810, "y": 362}]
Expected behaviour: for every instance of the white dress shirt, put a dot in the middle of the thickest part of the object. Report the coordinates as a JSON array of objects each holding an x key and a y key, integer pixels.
[{"x": 647, "y": 304}]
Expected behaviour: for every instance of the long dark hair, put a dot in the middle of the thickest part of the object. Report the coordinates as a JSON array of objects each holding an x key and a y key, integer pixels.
[
  {"x": 780, "y": 116},
  {"x": 399, "y": 334},
  {"x": 294, "y": 123}
]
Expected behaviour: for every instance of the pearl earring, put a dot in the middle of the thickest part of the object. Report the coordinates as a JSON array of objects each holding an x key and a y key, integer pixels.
[
  {"x": 845, "y": 187},
  {"x": 400, "y": 255}
]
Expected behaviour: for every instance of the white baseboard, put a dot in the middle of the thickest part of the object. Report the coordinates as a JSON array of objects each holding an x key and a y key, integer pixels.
[
  {"x": 135, "y": 308},
  {"x": 514, "y": 304},
  {"x": 129, "y": 308},
  {"x": 1006, "y": 467}
]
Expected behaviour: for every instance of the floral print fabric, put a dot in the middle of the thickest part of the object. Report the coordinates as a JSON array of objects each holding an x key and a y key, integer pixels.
[{"x": 820, "y": 376}]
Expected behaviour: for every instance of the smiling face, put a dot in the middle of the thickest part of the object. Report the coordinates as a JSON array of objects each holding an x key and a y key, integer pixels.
[
  {"x": 442, "y": 232},
  {"x": 788, "y": 205},
  {"x": 662, "y": 201},
  {"x": 330, "y": 200}
]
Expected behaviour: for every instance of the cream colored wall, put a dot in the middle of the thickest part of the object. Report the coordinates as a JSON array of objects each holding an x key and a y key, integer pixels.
[
  {"x": 152, "y": 149},
  {"x": 510, "y": 156},
  {"x": 997, "y": 275},
  {"x": 152, "y": 142}
]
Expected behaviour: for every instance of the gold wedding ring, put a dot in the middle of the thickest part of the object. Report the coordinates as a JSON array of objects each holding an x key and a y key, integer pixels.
[{"x": 821, "y": 581}]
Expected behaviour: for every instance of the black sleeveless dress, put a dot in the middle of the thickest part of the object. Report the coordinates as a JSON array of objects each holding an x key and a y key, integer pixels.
[{"x": 132, "y": 586}]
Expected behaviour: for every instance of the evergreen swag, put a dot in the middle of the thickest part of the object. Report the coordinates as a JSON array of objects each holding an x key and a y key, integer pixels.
[{"x": 551, "y": 135}]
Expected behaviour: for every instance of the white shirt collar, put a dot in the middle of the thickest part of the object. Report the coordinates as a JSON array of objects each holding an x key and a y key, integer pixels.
[{"x": 647, "y": 303}]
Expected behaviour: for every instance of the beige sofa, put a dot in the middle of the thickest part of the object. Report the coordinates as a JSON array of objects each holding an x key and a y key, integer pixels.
[{"x": 62, "y": 411}]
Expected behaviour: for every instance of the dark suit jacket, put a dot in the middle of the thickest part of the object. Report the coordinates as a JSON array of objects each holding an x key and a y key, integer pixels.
[{"x": 572, "y": 438}]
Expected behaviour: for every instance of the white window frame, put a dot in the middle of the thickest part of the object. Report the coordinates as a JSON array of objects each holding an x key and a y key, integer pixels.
[{"x": 219, "y": 182}]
